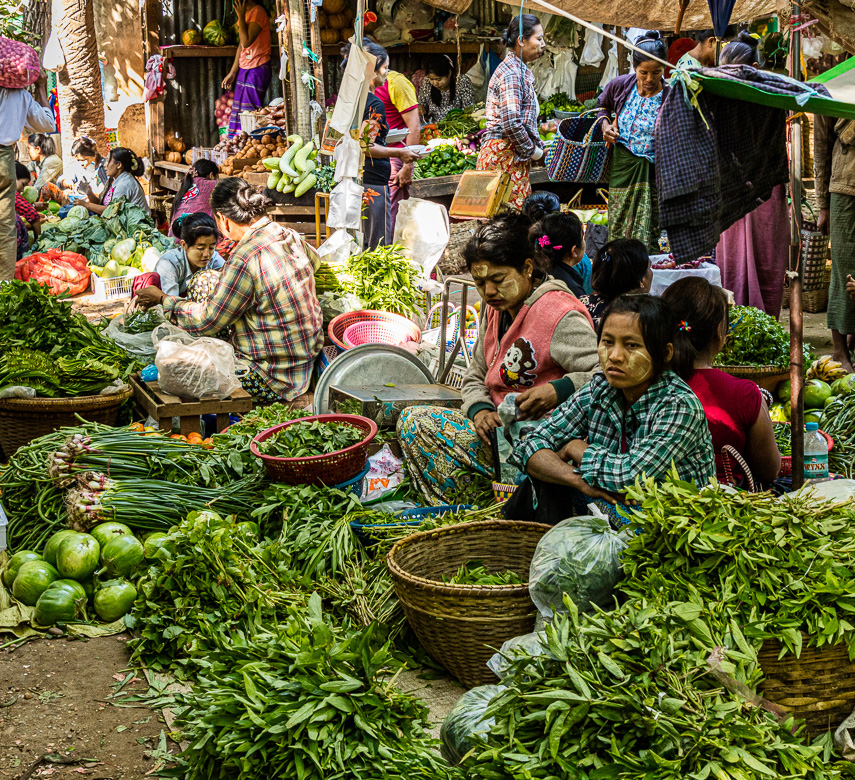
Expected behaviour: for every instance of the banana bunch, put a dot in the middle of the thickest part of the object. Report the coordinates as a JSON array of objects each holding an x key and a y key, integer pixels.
[
  {"x": 293, "y": 172},
  {"x": 826, "y": 369}
]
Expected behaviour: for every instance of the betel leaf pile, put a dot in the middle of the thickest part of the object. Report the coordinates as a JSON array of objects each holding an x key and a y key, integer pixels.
[
  {"x": 757, "y": 339},
  {"x": 307, "y": 439}
]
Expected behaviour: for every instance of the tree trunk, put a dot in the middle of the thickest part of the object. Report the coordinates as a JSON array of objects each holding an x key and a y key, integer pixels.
[{"x": 81, "y": 103}]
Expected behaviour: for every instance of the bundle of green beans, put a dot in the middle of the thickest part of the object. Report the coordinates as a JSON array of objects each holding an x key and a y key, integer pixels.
[
  {"x": 384, "y": 279},
  {"x": 154, "y": 505},
  {"x": 326, "y": 278},
  {"x": 838, "y": 421}
]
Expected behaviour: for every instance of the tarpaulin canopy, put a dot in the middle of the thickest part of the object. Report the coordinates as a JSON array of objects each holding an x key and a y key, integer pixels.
[
  {"x": 657, "y": 14},
  {"x": 839, "y": 81}
]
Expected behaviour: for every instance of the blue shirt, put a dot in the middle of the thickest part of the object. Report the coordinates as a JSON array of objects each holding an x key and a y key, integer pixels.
[
  {"x": 636, "y": 123},
  {"x": 175, "y": 271}
]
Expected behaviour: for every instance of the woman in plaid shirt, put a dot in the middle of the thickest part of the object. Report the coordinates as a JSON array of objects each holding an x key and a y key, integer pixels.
[
  {"x": 636, "y": 418},
  {"x": 266, "y": 291},
  {"x": 511, "y": 140}
]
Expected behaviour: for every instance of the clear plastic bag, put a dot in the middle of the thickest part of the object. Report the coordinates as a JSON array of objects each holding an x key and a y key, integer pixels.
[
  {"x": 579, "y": 557},
  {"x": 525, "y": 645},
  {"x": 466, "y": 720},
  {"x": 202, "y": 369},
  {"x": 140, "y": 345}
]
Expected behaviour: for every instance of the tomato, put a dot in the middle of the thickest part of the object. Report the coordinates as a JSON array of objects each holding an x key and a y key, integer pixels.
[
  {"x": 137, "y": 426},
  {"x": 178, "y": 436}
]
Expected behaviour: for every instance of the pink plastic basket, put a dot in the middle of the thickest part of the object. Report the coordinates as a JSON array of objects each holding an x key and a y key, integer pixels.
[
  {"x": 330, "y": 469},
  {"x": 404, "y": 329},
  {"x": 372, "y": 332}
]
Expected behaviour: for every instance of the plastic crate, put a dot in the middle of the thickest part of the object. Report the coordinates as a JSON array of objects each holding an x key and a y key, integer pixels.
[
  {"x": 112, "y": 289},
  {"x": 249, "y": 121},
  {"x": 455, "y": 376}
]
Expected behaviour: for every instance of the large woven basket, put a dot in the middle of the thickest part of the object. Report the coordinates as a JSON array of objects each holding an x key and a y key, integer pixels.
[
  {"x": 461, "y": 626},
  {"x": 767, "y": 377},
  {"x": 25, "y": 419},
  {"x": 818, "y": 687},
  {"x": 579, "y": 152},
  {"x": 813, "y": 301}
]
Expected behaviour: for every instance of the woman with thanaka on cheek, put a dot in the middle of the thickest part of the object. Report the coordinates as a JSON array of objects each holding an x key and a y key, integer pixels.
[
  {"x": 537, "y": 341},
  {"x": 635, "y": 419}
]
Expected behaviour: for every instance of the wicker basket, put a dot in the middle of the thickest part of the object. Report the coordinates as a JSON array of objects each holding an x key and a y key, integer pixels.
[
  {"x": 818, "y": 687},
  {"x": 25, "y": 419},
  {"x": 330, "y": 469},
  {"x": 813, "y": 301},
  {"x": 461, "y": 626},
  {"x": 767, "y": 377}
]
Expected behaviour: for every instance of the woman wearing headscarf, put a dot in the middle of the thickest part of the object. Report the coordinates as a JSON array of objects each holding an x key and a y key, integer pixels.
[
  {"x": 512, "y": 139},
  {"x": 634, "y": 101}
]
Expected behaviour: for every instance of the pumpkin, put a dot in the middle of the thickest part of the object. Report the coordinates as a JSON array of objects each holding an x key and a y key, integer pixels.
[
  {"x": 334, "y": 6},
  {"x": 188, "y": 158},
  {"x": 179, "y": 146},
  {"x": 173, "y": 157},
  {"x": 173, "y": 141},
  {"x": 330, "y": 36},
  {"x": 338, "y": 21},
  {"x": 351, "y": 16},
  {"x": 323, "y": 19}
]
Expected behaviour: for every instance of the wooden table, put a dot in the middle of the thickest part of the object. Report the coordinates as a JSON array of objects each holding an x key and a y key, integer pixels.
[{"x": 163, "y": 406}]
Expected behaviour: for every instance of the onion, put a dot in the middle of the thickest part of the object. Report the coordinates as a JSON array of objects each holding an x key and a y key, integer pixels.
[{"x": 19, "y": 64}]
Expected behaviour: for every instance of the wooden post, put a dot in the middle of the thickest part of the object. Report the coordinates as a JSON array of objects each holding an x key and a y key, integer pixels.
[
  {"x": 677, "y": 27},
  {"x": 288, "y": 87},
  {"x": 797, "y": 441},
  {"x": 154, "y": 121}
]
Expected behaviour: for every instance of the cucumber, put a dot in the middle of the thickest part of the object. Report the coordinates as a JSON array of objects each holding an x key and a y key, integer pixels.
[
  {"x": 302, "y": 157},
  {"x": 287, "y": 158},
  {"x": 306, "y": 185},
  {"x": 271, "y": 163},
  {"x": 273, "y": 179}
]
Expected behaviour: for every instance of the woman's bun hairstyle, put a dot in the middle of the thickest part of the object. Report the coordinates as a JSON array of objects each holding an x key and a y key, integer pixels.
[
  {"x": 239, "y": 201},
  {"x": 652, "y": 43},
  {"x": 511, "y": 34},
  {"x": 128, "y": 160},
  {"x": 743, "y": 50}
]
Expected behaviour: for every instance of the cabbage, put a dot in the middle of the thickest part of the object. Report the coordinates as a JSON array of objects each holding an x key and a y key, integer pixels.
[
  {"x": 149, "y": 259},
  {"x": 69, "y": 224},
  {"x": 78, "y": 211},
  {"x": 123, "y": 250},
  {"x": 31, "y": 194}
]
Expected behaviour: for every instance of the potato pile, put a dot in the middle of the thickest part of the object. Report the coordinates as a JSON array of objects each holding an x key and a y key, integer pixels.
[
  {"x": 256, "y": 150},
  {"x": 272, "y": 116}
]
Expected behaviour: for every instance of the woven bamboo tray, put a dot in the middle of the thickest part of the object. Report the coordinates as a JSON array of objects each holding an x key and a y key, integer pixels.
[
  {"x": 461, "y": 626},
  {"x": 767, "y": 377},
  {"x": 818, "y": 687},
  {"x": 25, "y": 419}
]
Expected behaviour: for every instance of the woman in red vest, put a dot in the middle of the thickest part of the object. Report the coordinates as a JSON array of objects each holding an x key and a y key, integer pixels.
[{"x": 537, "y": 340}]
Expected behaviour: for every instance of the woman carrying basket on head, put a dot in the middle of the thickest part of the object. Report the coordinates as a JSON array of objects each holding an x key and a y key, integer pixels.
[
  {"x": 512, "y": 140},
  {"x": 635, "y": 100}
]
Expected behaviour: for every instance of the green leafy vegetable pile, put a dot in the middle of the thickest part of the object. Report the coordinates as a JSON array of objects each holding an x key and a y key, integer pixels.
[
  {"x": 756, "y": 339},
  {"x": 304, "y": 699},
  {"x": 644, "y": 691},
  {"x": 307, "y": 439},
  {"x": 94, "y": 236},
  {"x": 560, "y": 101},
  {"x": 42, "y": 339},
  {"x": 838, "y": 421},
  {"x": 476, "y": 573},
  {"x": 460, "y": 122},
  {"x": 384, "y": 279}
]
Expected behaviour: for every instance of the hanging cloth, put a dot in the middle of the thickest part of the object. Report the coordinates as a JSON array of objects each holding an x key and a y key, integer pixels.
[
  {"x": 156, "y": 75},
  {"x": 611, "y": 71},
  {"x": 720, "y": 10},
  {"x": 565, "y": 73}
]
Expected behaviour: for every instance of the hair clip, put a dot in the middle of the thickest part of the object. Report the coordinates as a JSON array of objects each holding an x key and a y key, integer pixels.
[
  {"x": 605, "y": 257},
  {"x": 684, "y": 326},
  {"x": 558, "y": 248},
  {"x": 544, "y": 241}
]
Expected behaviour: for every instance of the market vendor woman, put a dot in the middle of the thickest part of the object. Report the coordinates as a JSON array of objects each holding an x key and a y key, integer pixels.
[
  {"x": 251, "y": 72},
  {"x": 266, "y": 291},
  {"x": 537, "y": 341},
  {"x": 123, "y": 167},
  {"x": 512, "y": 139},
  {"x": 635, "y": 100}
]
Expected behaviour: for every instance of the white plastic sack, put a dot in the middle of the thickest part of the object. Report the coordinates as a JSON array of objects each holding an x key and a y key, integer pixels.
[
  {"x": 592, "y": 54},
  {"x": 531, "y": 645},
  {"x": 346, "y": 205},
  {"x": 347, "y": 156},
  {"x": 421, "y": 228},
  {"x": 579, "y": 557},
  {"x": 337, "y": 248},
  {"x": 16, "y": 391},
  {"x": 53, "y": 59},
  {"x": 203, "y": 369},
  {"x": 461, "y": 727},
  {"x": 478, "y": 76}
]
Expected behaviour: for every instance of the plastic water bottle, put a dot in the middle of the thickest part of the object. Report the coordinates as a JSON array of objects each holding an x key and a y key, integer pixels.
[{"x": 816, "y": 453}]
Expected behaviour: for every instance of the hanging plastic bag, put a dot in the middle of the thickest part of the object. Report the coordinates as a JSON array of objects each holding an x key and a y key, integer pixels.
[
  {"x": 611, "y": 72},
  {"x": 345, "y": 205},
  {"x": 527, "y": 645},
  {"x": 461, "y": 727},
  {"x": 337, "y": 248},
  {"x": 358, "y": 74},
  {"x": 422, "y": 229},
  {"x": 347, "y": 156},
  {"x": 203, "y": 369},
  {"x": 53, "y": 58},
  {"x": 386, "y": 472},
  {"x": 478, "y": 76},
  {"x": 579, "y": 557},
  {"x": 592, "y": 53}
]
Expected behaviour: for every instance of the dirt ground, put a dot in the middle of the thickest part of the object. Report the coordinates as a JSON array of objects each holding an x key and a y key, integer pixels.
[{"x": 53, "y": 704}]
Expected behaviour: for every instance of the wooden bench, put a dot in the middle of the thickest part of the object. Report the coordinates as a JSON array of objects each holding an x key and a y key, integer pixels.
[{"x": 163, "y": 406}]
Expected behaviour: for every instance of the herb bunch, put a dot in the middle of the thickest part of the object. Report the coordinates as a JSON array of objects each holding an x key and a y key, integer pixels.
[
  {"x": 757, "y": 339},
  {"x": 307, "y": 439}
]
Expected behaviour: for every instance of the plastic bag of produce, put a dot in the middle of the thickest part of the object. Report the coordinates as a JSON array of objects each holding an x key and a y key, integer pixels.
[
  {"x": 19, "y": 64},
  {"x": 61, "y": 271},
  {"x": 579, "y": 557},
  {"x": 421, "y": 228},
  {"x": 132, "y": 331},
  {"x": 532, "y": 644},
  {"x": 460, "y": 729},
  {"x": 202, "y": 369}
]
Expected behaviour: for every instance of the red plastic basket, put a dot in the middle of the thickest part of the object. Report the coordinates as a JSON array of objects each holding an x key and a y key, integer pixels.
[
  {"x": 372, "y": 332},
  {"x": 330, "y": 469},
  {"x": 787, "y": 460},
  {"x": 400, "y": 328}
]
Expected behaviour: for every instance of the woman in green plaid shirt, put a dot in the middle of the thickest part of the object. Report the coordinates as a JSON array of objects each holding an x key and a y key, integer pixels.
[{"x": 636, "y": 418}]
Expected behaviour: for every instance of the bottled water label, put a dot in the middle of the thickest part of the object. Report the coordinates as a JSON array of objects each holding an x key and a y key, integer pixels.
[{"x": 816, "y": 466}]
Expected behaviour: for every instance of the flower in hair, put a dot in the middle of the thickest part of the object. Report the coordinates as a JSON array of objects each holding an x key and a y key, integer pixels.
[
  {"x": 544, "y": 241},
  {"x": 684, "y": 326}
]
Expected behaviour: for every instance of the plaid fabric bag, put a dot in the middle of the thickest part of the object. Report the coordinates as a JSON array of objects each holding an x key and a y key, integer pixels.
[{"x": 579, "y": 153}]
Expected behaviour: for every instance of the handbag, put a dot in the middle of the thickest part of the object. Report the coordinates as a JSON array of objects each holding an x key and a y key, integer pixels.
[{"x": 579, "y": 152}]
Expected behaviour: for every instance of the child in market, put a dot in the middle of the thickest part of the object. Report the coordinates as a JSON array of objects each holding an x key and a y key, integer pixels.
[
  {"x": 23, "y": 208},
  {"x": 559, "y": 237},
  {"x": 637, "y": 418},
  {"x": 621, "y": 267}
]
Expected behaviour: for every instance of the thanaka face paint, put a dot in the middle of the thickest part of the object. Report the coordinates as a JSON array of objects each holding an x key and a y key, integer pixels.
[
  {"x": 502, "y": 287},
  {"x": 623, "y": 356}
]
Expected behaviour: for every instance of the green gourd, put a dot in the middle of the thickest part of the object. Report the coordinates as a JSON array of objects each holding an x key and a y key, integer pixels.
[
  {"x": 285, "y": 163},
  {"x": 306, "y": 185}
]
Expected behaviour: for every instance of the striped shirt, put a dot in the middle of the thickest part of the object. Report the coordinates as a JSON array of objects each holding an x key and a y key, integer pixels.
[
  {"x": 512, "y": 107},
  {"x": 267, "y": 291},
  {"x": 666, "y": 425}
]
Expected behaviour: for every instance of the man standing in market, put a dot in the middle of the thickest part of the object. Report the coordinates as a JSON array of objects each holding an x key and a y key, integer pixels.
[
  {"x": 398, "y": 96},
  {"x": 834, "y": 161},
  {"x": 20, "y": 112},
  {"x": 704, "y": 53}
]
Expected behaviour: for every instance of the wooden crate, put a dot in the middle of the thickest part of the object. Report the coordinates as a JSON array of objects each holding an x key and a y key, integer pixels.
[{"x": 163, "y": 406}]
